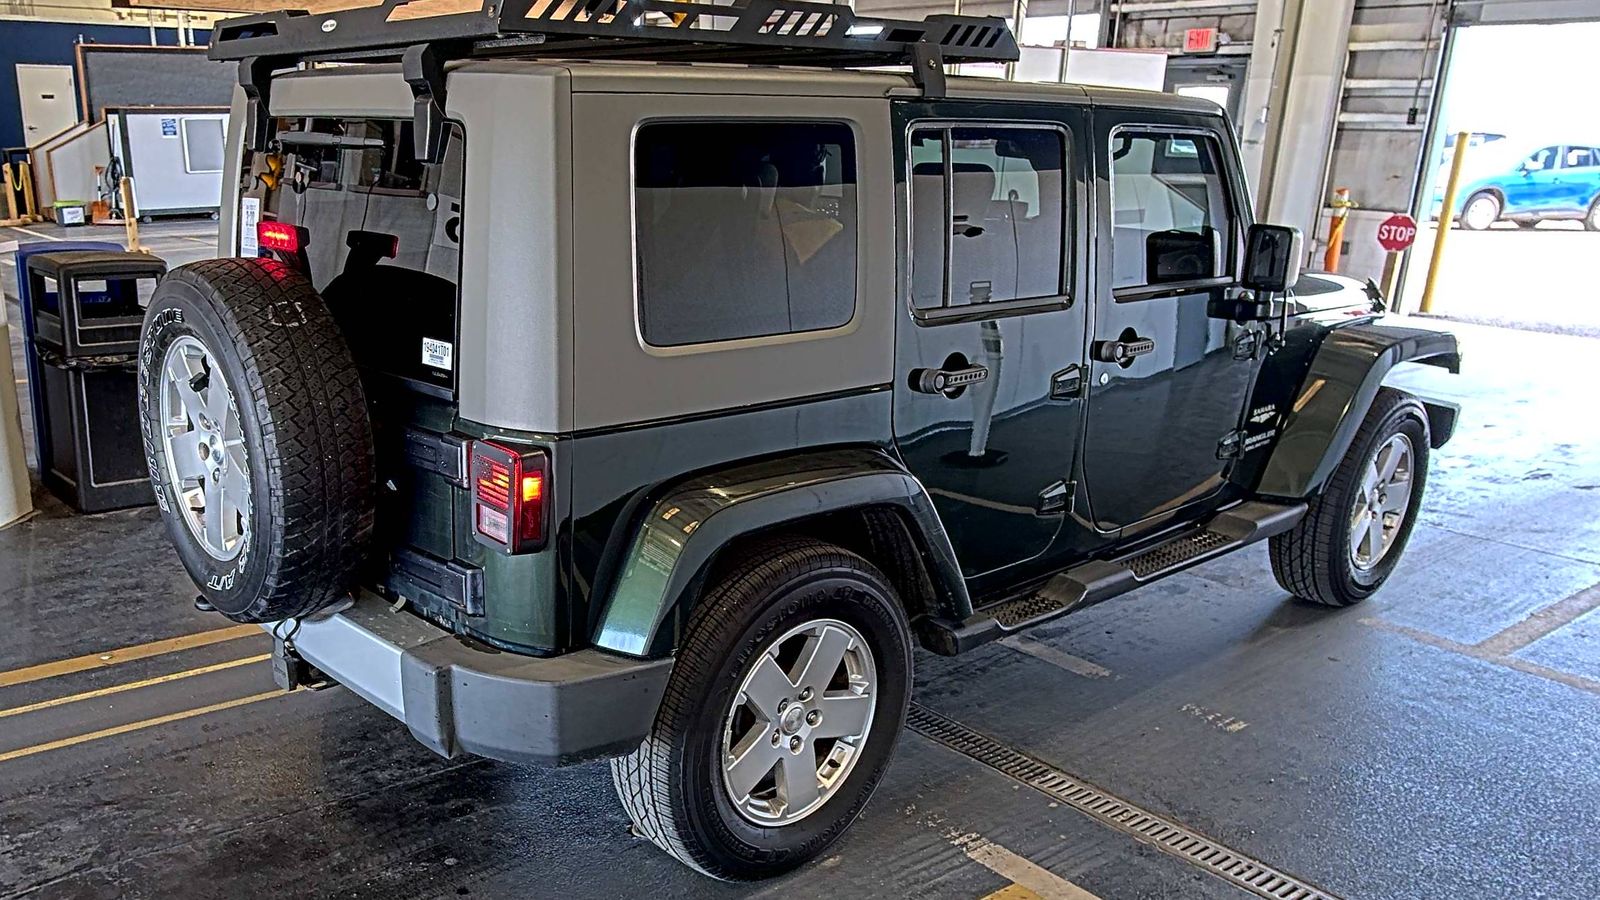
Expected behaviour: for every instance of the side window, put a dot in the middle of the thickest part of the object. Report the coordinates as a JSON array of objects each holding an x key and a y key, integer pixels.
[
  {"x": 988, "y": 215},
  {"x": 1541, "y": 160},
  {"x": 1172, "y": 221},
  {"x": 1581, "y": 157},
  {"x": 744, "y": 229}
]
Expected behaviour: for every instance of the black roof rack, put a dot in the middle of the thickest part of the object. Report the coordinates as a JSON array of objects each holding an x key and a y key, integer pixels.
[{"x": 424, "y": 35}]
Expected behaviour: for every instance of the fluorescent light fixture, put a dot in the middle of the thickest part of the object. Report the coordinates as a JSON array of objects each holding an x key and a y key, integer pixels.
[{"x": 865, "y": 29}]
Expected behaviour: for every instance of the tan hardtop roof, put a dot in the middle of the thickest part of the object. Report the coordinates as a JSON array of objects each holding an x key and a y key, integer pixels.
[{"x": 593, "y": 76}]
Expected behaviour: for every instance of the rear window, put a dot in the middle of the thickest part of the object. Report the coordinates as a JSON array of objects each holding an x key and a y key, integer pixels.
[
  {"x": 382, "y": 234},
  {"x": 744, "y": 229}
]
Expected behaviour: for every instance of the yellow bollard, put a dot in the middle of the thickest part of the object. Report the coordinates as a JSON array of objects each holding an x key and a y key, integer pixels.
[
  {"x": 30, "y": 207},
  {"x": 1341, "y": 212},
  {"x": 130, "y": 216},
  {"x": 1446, "y": 217},
  {"x": 10, "y": 187}
]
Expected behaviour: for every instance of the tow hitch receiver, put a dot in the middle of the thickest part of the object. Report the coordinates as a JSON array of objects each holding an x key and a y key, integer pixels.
[{"x": 290, "y": 670}]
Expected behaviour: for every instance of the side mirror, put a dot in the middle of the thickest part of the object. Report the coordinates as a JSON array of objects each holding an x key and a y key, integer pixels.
[{"x": 1272, "y": 258}]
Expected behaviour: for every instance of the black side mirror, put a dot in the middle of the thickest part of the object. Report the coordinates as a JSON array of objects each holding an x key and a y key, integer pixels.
[{"x": 1272, "y": 258}]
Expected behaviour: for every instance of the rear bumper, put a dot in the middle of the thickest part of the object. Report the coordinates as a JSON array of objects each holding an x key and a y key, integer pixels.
[{"x": 459, "y": 696}]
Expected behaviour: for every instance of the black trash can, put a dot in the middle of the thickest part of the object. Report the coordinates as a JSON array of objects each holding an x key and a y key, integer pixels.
[{"x": 87, "y": 311}]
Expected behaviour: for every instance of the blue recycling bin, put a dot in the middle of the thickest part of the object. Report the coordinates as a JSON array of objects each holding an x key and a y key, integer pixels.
[{"x": 35, "y": 396}]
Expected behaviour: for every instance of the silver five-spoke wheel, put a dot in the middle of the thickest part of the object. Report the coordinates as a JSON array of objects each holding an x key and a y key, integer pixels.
[
  {"x": 1381, "y": 502},
  {"x": 798, "y": 722},
  {"x": 205, "y": 450}
]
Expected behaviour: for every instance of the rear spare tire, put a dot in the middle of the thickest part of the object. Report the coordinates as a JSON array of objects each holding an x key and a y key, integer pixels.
[{"x": 257, "y": 437}]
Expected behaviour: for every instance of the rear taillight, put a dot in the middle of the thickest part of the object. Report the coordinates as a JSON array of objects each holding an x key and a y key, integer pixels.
[
  {"x": 281, "y": 237},
  {"x": 509, "y": 488}
]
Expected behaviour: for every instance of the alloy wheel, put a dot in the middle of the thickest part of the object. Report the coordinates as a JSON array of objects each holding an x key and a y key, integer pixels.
[
  {"x": 1382, "y": 500},
  {"x": 799, "y": 722},
  {"x": 206, "y": 461}
]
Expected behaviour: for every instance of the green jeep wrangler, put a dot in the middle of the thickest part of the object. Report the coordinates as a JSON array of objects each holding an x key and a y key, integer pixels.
[{"x": 645, "y": 380}]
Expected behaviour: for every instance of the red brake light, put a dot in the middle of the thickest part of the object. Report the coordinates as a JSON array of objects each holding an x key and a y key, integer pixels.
[
  {"x": 508, "y": 492},
  {"x": 280, "y": 236}
]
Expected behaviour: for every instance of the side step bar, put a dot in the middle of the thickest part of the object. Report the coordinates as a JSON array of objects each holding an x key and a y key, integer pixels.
[{"x": 1089, "y": 583}]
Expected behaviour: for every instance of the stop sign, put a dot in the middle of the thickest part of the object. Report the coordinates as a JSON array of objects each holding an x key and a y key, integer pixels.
[{"x": 1397, "y": 232}]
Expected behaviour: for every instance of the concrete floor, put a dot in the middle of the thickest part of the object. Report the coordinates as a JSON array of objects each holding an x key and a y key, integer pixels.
[{"x": 1440, "y": 740}]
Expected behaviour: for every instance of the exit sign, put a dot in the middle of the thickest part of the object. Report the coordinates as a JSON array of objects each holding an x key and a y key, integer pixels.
[{"x": 1200, "y": 40}]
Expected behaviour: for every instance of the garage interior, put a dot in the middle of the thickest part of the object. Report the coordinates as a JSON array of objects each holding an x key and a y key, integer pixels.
[{"x": 1438, "y": 740}]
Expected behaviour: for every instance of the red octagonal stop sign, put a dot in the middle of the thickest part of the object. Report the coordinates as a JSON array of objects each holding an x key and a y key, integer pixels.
[{"x": 1397, "y": 232}]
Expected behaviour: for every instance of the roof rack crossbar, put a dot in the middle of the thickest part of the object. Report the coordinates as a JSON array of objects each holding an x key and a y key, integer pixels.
[{"x": 425, "y": 35}]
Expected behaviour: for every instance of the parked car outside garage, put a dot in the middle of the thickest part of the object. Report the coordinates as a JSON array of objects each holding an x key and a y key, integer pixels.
[{"x": 1555, "y": 182}]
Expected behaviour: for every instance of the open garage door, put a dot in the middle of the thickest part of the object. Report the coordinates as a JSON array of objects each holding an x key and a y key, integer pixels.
[{"x": 1525, "y": 219}]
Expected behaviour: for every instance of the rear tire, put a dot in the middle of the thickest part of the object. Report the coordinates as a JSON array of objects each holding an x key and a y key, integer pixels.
[
  {"x": 1591, "y": 222},
  {"x": 763, "y": 617},
  {"x": 1324, "y": 559},
  {"x": 241, "y": 360},
  {"x": 1480, "y": 211}
]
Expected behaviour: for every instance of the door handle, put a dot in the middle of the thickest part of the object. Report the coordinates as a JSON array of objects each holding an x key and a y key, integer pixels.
[
  {"x": 1124, "y": 349},
  {"x": 950, "y": 381}
]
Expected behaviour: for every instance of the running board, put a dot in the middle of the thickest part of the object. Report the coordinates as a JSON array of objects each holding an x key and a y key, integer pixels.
[{"x": 1091, "y": 582}]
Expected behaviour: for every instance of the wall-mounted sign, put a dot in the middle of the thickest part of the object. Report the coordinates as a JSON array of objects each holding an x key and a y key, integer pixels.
[{"x": 1200, "y": 40}]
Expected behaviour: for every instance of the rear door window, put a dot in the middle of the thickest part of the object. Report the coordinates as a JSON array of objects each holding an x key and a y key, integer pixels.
[
  {"x": 988, "y": 215},
  {"x": 381, "y": 234}
]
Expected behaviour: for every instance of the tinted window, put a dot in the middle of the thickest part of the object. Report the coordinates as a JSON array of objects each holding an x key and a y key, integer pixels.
[
  {"x": 1170, "y": 214},
  {"x": 744, "y": 229},
  {"x": 1581, "y": 157},
  {"x": 987, "y": 215},
  {"x": 1542, "y": 159}
]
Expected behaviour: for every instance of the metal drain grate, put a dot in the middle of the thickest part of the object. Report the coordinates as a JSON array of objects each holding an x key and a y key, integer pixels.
[
  {"x": 1164, "y": 557},
  {"x": 1230, "y": 865}
]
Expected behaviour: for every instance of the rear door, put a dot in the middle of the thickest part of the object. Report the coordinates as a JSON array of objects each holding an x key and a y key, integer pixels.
[
  {"x": 1168, "y": 383},
  {"x": 1577, "y": 179},
  {"x": 989, "y": 347}
]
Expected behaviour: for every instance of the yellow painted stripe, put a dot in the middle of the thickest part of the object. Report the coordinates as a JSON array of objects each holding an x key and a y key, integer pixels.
[
  {"x": 125, "y": 654},
  {"x": 137, "y": 726},
  {"x": 1013, "y": 892},
  {"x": 1022, "y": 873},
  {"x": 133, "y": 685}
]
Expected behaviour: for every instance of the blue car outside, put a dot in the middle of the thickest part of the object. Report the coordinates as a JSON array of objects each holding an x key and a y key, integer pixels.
[{"x": 1560, "y": 181}]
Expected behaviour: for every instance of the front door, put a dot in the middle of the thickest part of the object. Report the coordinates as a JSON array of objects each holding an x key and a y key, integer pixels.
[
  {"x": 48, "y": 99},
  {"x": 989, "y": 348},
  {"x": 1168, "y": 383}
]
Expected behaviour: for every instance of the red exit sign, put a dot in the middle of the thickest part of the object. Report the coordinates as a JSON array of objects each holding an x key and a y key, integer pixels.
[{"x": 1200, "y": 40}]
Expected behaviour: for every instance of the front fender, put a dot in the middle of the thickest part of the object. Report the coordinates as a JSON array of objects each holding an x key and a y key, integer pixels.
[
  {"x": 687, "y": 525},
  {"x": 1343, "y": 378}
]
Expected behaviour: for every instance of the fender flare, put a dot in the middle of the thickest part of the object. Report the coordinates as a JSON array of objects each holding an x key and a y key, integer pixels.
[
  {"x": 1338, "y": 389},
  {"x": 685, "y": 527}
]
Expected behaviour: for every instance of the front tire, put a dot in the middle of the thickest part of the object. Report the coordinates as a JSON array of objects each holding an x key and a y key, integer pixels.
[
  {"x": 786, "y": 700},
  {"x": 1354, "y": 533}
]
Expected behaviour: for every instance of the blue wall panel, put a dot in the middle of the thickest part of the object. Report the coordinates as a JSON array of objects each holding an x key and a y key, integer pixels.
[{"x": 52, "y": 43}]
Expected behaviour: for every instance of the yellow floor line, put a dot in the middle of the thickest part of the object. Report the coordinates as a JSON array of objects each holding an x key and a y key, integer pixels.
[
  {"x": 1013, "y": 892},
  {"x": 1035, "y": 880},
  {"x": 125, "y": 654},
  {"x": 133, "y": 685},
  {"x": 137, "y": 726}
]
